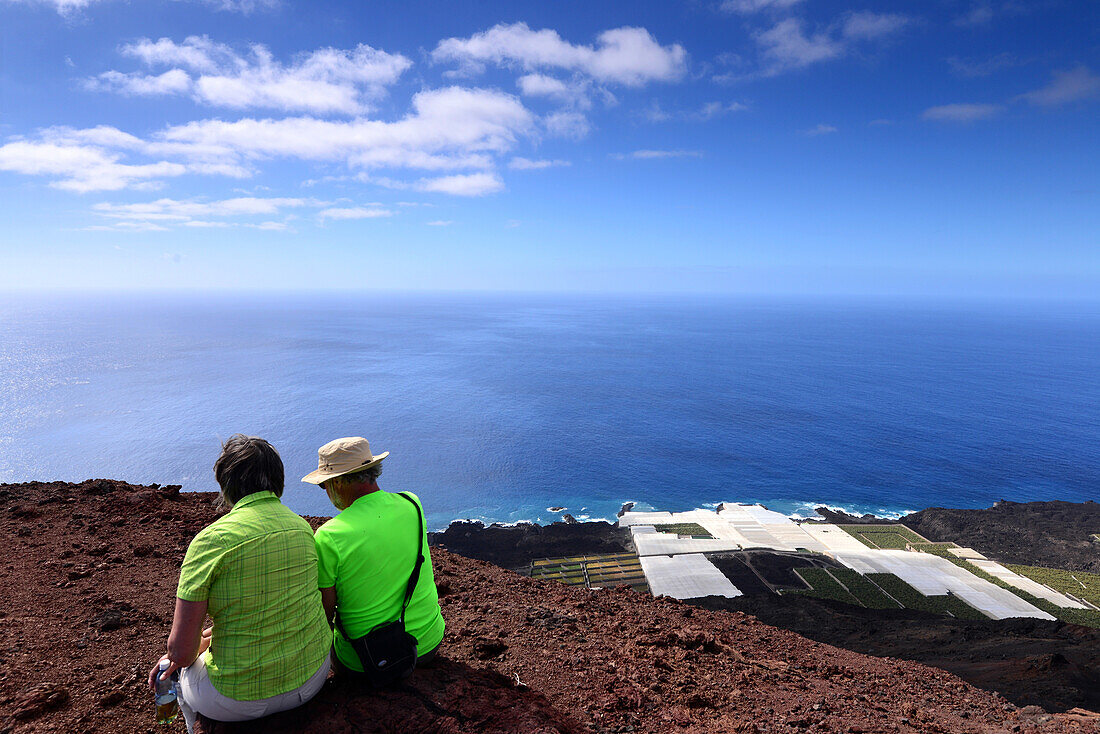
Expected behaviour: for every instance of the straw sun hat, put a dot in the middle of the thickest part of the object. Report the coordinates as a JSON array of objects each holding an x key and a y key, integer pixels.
[{"x": 343, "y": 456}]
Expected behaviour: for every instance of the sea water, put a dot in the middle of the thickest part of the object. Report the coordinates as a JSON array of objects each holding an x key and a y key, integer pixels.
[{"x": 498, "y": 407}]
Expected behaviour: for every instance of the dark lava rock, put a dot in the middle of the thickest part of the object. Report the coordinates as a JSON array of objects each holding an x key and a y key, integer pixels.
[
  {"x": 486, "y": 649},
  {"x": 517, "y": 545},
  {"x": 112, "y": 699},
  {"x": 38, "y": 700},
  {"x": 1050, "y": 534},
  {"x": 114, "y": 618},
  {"x": 843, "y": 518},
  {"x": 1028, "y": 661}
]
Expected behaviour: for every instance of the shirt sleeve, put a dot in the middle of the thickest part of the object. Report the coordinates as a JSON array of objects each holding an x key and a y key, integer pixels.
[
  {"x": 328, "y": 560},
  {"x": 200, "y": 567}
]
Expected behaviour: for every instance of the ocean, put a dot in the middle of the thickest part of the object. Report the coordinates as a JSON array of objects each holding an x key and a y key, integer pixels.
[{"x": 498, "y": 407}]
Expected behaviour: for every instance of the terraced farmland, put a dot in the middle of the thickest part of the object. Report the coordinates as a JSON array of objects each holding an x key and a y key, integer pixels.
[
  {"x": 612, "y": 569},
  {"x": 1087, "y": 618},
  {"x": 910, "y": 598},
  {"x": 1077, "y": 583},
  {"x": 684, "y": 528},
  {"x": 894, "y": 537},
  {"x": 822, "y": 586}
]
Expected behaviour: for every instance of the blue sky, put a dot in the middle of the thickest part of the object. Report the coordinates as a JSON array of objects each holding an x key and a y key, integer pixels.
[{"x": 945, "y": 148}]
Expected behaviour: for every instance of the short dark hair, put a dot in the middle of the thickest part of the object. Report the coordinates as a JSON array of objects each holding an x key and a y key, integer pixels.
[
  {"x": 248, "y": 464},
  {"x": 364, "y": 476}
]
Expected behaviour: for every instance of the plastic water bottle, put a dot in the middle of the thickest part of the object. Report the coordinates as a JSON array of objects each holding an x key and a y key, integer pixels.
[{"x": 168, "y": 707}]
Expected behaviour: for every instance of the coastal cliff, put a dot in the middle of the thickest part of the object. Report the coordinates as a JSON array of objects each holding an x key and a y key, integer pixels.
[{"x": 89, "y": 581}]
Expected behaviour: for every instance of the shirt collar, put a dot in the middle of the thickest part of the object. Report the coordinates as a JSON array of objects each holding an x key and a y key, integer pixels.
[{"x": 251, "y": 499}]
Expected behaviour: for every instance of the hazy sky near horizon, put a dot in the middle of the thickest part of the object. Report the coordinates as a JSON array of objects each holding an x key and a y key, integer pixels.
[{"x": 943, "y": 148}]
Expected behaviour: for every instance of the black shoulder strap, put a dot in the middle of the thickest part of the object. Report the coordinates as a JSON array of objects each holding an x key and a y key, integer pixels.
[{"x": 410, "y": 587}]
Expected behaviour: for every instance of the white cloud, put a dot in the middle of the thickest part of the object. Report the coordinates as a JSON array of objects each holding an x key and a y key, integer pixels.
[
  {"x": 473, "y": 184},
  {"x": 441, "y": 223},
  {"x": 327, "y": 80},
  {"x": 63, "y": 7},
  {"x": 628, "y": 56},
  {"x": 656, "y": 154},
  {"x": 820, "y": 129},
  {"x": 125, "y": 227},
  {"x": 454, "y": 126},
  {"x": 198, "y": 53},
  {"x": 980, "y": 14},
  {"x": 540, "y": 85},
  {"x": 708, "y": 111},
  {"x": 68, "y": 7},
  {"x": 1066, "y": 86},
  {"x": 358, "y": 212},
  {"x": 868, "y": 25},
  {"x": 574, "y": 93},
  {"x": 174, "y": 81},
  {"x": 745, "y": 7},
  {"x": 242, "y": 6},
  {"x": 163, "y": 214},
  {"x": 571, "y": 125},
  {"x": 450, "y": 129},
  {"x": 961, "y": 112},
  {"x": 525, "y": 164},
  {"x": 786, "y": 46},
  {"x": 82, "y": 168},
  {"x": 186, "y": 209}
]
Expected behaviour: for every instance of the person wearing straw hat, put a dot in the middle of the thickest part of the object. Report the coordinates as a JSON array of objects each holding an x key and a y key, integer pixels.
[{"x": 366, "y": 553}]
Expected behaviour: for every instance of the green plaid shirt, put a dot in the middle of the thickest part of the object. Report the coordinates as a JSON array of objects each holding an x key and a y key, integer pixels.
[{"x": 257, "y": 569}]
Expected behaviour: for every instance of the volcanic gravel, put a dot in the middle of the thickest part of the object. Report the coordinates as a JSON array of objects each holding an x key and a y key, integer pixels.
[{"x": 90, "y": 575}]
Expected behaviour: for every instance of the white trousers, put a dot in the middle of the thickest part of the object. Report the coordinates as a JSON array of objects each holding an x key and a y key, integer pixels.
[{"x": 197, "y": 695}]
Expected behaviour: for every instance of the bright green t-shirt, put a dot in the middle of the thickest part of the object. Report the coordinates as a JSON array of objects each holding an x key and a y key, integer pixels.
[
  {"x": 368, "y": 552},
  {"x": 256, "y": 567}
]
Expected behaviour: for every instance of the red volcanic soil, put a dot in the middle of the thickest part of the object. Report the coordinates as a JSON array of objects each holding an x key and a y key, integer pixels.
[{"x": 88, "y": 584}]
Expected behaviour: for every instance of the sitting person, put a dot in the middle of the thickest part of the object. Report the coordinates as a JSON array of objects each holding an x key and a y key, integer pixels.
[
  {"x": 254, "y": 571},
  {"x": 366, "y": 554}
]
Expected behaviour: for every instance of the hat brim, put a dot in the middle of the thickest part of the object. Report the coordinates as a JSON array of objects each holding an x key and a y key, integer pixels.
[{"x": 319, "y": 476}]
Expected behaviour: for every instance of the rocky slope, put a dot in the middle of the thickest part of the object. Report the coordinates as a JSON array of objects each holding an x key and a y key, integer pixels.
[
  {"x": 1051, "y": 534},
  {"x": 89, "y": 577}
]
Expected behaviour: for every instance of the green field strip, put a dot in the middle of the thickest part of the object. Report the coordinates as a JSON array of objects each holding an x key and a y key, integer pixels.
[
  {"x": 684, "y": 528},
  {"x": 910, "y": 598},
  {"x": 859, "y": 586},
  {"x": 822, "y": 586},
  {"x": 1083, "y": 617},
  {"x": 1078, "y": 583},
  {"x": 883, "y": 536}
]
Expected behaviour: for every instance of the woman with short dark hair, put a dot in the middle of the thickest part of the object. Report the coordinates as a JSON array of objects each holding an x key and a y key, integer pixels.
[{"x": 254, "y": 571}]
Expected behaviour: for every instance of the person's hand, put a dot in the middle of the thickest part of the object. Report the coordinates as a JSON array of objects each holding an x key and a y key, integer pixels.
[
  {"x": 207, "y": 638},
  {"x": 172, "y": 668}
]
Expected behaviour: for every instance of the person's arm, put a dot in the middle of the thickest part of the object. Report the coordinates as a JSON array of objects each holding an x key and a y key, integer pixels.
[
  {"x": 187, "y": 640},
  {"x": 328, "y": 600}
]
